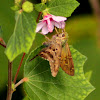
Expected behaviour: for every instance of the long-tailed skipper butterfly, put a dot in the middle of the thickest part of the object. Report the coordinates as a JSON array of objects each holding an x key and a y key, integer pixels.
[{"x": 57, "y": 52}]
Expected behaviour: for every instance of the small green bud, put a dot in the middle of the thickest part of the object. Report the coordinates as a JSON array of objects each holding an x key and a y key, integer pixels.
[
  {"x": 43, "y": 1},
  {"x": 18, "y": 1},
  {"x": 27, "y": 6}
]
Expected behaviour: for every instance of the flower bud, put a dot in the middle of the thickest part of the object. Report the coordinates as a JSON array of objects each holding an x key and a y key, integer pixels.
[
  {"x": 43, "y": 1},
  {"x": 27, "y": 7}
]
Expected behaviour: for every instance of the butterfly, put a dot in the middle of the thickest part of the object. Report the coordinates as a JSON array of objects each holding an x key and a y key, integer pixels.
[{"x": 58, "y": 53}]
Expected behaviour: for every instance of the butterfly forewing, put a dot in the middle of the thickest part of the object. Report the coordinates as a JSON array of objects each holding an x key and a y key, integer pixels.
[
  {"x": 52, "y": 53},
  {"x": 66, "y": 61}
]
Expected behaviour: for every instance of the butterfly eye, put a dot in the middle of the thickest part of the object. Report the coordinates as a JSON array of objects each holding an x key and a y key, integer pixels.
[
  {"x": 63, "y": 35},
  {"x": 53, "y": 49},
  {"x": 57, "y": 35},
  {"x": 49, "y": 47}
]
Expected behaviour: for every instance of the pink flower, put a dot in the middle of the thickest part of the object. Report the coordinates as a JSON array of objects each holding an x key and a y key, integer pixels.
[{"x": 49, "y": 21}]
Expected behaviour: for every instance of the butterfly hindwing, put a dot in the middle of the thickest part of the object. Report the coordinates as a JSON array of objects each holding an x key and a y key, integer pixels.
[{"x": 67, "y": 61}]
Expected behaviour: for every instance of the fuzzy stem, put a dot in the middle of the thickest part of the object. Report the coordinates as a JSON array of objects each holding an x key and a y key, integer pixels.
[
  {"x": 19, "y": 68},
  {"x": 9, "y": 93}
]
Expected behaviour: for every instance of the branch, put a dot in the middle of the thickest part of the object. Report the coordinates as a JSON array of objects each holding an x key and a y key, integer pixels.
[
  {"x": 40, "y": 13},
  {"x": 19, "y": 68},
  {"x": 9, "y": 93},
  {"x": 2, "y": 42},
  {"x": 3, "y": 45},
  {"x": 95, "y": 6}
]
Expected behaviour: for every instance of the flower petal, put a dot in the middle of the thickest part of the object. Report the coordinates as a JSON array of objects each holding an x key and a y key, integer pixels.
[
  {"x": 57, "y": 25},
  {"x": 48, "y": 16},
  {"x": 40, "y": 25},
  {"x": 62, "y": 25},
  {"x": 50, "y": 25},
  {"x": 58, "y": 18},
  {"x": 45, "y": 30}
]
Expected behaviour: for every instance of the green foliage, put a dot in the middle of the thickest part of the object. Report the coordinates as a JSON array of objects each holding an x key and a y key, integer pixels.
[
  {"x": 40, "y": 7},
  {"x": 24, "y": 31},
  {"x": 42, "y": 85},
  {"x": 88, "y": 75},
  {"x": 26, "y": 98},
  {"x": 62, "y": 7},
  {"x": 58, "y": 7},
  {"x": 23, "y": 35}
]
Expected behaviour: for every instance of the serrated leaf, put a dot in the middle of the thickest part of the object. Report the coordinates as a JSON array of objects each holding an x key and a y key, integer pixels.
[
  {"x": 40, "y": 7},
  {"x": 23, "y": 35},
  {"x": 42, "y": 86},
  {"x": 62, "y": 7}
]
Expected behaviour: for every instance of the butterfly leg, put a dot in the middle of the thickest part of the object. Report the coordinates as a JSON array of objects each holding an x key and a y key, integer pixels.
[{"x": 56, "y": 30}]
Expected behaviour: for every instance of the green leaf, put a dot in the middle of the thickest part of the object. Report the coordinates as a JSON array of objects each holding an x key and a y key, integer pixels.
[
  {"x": 62, "y": 7},
  {"x": 42, "y": 86},
  {"x": 40, "y": 7},
  {"x": 88, "y": 75},
  {"x": 26, "y": 98},
  {"x": 23, "y": 35}
]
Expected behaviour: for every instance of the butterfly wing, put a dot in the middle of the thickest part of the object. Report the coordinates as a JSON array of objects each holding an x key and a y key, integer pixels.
[
  {"x": 52, "y": 53},
  {"x": 66, "y": 60}
]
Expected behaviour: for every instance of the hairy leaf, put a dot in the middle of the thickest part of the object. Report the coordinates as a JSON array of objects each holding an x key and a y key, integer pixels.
[
  {"x": 42, "y": 86},
  {"x": 62, "y": 7},
  {"x": 23, "y": 35},
  {"x": 40, "y": 7}
]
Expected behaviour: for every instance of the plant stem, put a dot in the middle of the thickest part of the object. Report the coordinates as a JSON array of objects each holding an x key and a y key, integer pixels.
[
  {"x": 2, "y": 42},
  {"x": 9, "y": 93},
  {"x": 19, "y": 68},
  {"x": 3, "y": 45},
  {"x": 40, "y": 13},
  {"x": 20, "y": 82}
]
